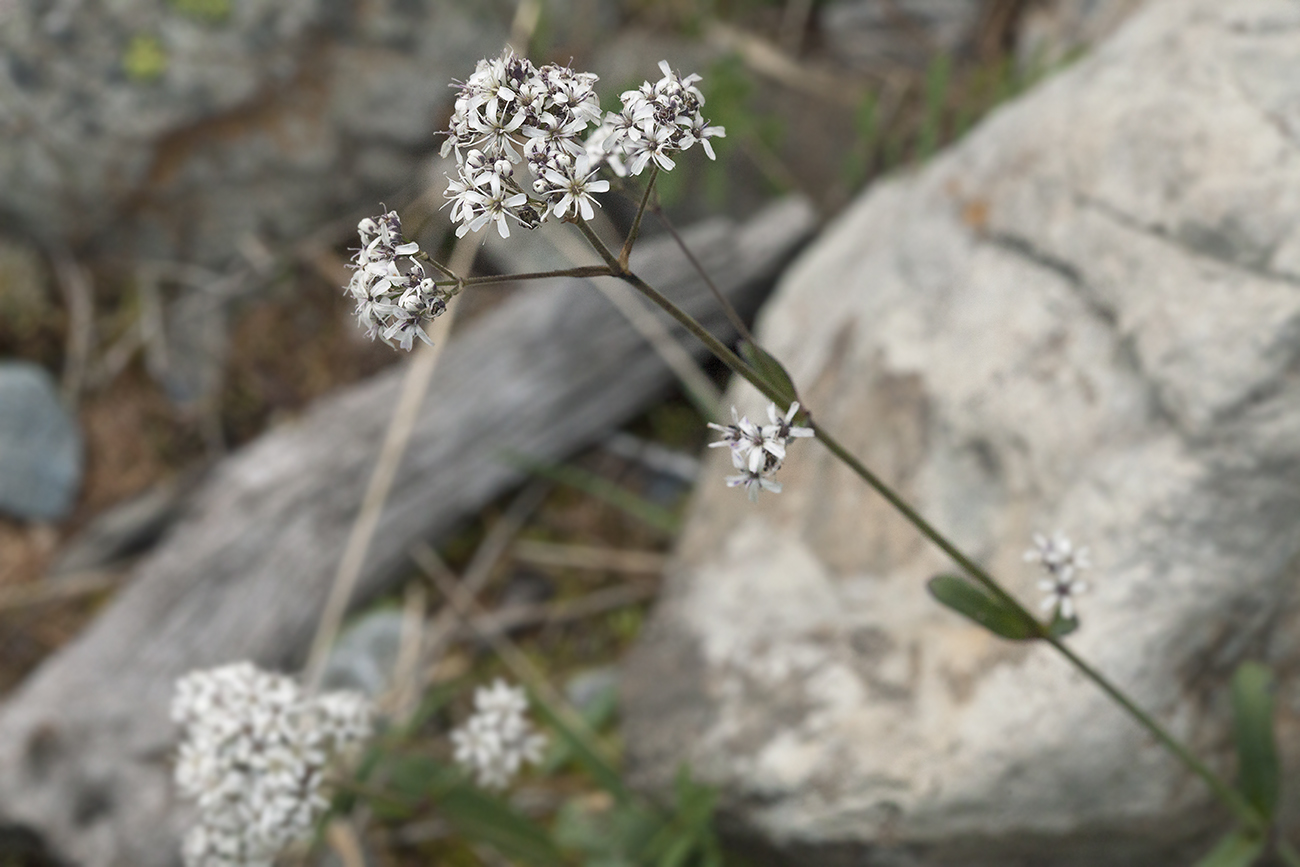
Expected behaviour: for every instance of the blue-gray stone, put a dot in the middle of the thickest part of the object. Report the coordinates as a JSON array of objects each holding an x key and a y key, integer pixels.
[
  {"x": 364, "y": 657},
  {"x": 40, "y": 445}
]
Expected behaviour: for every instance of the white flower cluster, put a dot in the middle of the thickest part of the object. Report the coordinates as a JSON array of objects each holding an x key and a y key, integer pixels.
[
  {"x": 757, "y": 451},
  {"x": 510, "y": 111},
  {"x": 1061, "y": 561},
  {"x": 659, "y": 119},
  {"x": 395, "y": 295},
  {"x": 496, "y": 741},
  {"x": 254, "y": 758}
]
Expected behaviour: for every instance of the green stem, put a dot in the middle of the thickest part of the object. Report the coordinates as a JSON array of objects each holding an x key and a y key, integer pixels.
[
  {"x": 736, "y": 321},
  {"x": 580, "y": 271},
  {"x": 435, "y": 263},
  {"x": 632, "y": 234},
  {"x": 716, "y": 346},
  {"x": 1225, "y": 793}
]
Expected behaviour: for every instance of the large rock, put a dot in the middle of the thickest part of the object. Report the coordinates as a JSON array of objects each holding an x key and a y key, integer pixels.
[
  {"x": 175, "y": 128},
  {"x": 1085, "y": 316}
]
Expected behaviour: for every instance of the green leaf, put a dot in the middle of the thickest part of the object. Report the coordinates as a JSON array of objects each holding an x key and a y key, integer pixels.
[
  {"x": 611, "y": 837},
  {"x": 1238, "y": 849},
  {"x": 487, "y": 819},
  {"x": 1062, "y": 626},
  {"x": 598, "y": 714},
  {"x": 585, "y": 754},
  {"x": 973, "y": 602},
  {"x": 1252, "y": 711},
  {"x": 772, "y": 371},
  {"x": 677, "y": 852}
]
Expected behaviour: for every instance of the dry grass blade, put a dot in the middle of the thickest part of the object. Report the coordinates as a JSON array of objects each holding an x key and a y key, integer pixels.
[
  {"x": 67, "y": 587},
  {"x": 485, "y": 559},
  {"x": 552, "y": 613},
  {"x": 589, "y": 557},
  {"x": 404, "y": 696},
  {"x": 414, "y": 387},
  {"x": 703, "y": 393},
  {"x": 345, "y": 843},
  {"x": 523, "y": 669},
  {"x": 771, "y": 62},
  {"x": 79, "y": 298}
]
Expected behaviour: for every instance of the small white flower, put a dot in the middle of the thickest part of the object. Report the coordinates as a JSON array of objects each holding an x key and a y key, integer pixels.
[
  {"x": 394, "y": 295},
  {"x": 1061, "y": 561},
  {"x": 253, "y": 759},
  {"x": 574, "y": 188},
  {"x": 498, "y": 739},
  {"x": 759, "y": 451},
  {"x": 753, "y": 481}
]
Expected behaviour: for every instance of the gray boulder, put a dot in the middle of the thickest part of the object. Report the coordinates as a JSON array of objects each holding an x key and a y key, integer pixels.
[
  {"x": 40, "y": 445},
  {"x": 173, "y": 129},
  {"x": 1085, "y": 316}
]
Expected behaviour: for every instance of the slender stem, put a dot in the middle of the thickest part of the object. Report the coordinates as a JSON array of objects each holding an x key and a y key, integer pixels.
[
  {"x": 580, "y": 271},
  {"x": 716, "y": 346},
  {"x": 435, "y": 263},
  {"x": 616, "y": 267},
  {"x": 626, "y": 252},
  {"x": 1225, "y": 793},
  {"x": 1231, "y": 798},
  {"x": 727, "y": 308}
]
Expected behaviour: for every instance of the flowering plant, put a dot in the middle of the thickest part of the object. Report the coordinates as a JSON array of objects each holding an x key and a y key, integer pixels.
[
  {"x": 512, "y": 116},
  {"x": 530, "y": 144}
]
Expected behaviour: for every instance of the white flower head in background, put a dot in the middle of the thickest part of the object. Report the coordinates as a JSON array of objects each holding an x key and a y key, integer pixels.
[
  {"x": 758, "y": 451},
  {"x": 496, "y": 741},
  {"x": 1062, "y": 562},
  {"x": 393, "y": 293},
  {"x": 254, "y": 759}
]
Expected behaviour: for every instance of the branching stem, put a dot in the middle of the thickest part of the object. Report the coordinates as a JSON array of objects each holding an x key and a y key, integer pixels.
[
  {"x": 625, "y": 254},
  {"x": 727, "y": 308},
  {"x": 1233, "y": 800}
]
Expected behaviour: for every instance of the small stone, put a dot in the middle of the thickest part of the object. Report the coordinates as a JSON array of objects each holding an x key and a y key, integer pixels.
[
  {"x": 364, "y": 657},
  {"x": 40, "y": 445}
]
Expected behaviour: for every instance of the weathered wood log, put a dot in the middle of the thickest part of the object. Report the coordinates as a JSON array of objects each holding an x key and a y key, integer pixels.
[{"x": 85, "y": 742}]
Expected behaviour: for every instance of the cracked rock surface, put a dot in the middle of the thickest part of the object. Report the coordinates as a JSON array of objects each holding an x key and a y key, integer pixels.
[
  {"x": 1084, "y": 316},
  {"x": 170, "y": 129}
]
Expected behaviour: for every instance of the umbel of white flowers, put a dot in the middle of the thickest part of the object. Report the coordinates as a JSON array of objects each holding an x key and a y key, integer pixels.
[
  {"x": 758, "y": 451},
  {"x": 495, "y": 742},
  {"x": 254, "y": 757},
  {"x": 394, "y": 294},
  {"x": 1062, "y": 562},
  {"x": 510, "y": 112}
]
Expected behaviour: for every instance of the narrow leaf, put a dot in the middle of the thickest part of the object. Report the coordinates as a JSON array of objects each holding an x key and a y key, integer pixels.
[
  {"x": 772, "y": 371},
  {"x": 481, "y": 817},
  {"x": 1062, "y": 626},
  {"x": 972, "y": 602},
  {"x": 1252, "y": 710},
  {"x": 585, "y": 754},
  {"x": 1238, "y": 849}
]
